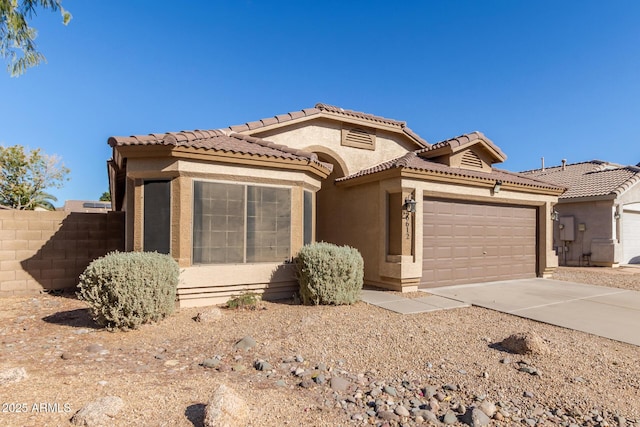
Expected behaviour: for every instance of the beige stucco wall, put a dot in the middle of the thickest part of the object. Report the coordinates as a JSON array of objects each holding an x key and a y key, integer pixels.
[
  {"x": 364, "y": 225},
  {"x": 600, "y": 236},
  {"x": 325, "y": 136},
  {"x": 215, "y": 284}
]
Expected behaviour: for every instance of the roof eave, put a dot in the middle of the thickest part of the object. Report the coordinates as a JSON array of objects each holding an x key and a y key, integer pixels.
[{"x": 489, "y": 182}]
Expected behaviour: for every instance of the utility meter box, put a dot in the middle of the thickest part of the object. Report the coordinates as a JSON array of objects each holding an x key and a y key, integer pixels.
[{"x": 567, "y": 228}]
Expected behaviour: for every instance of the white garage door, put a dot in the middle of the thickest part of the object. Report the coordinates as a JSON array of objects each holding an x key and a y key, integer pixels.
[{"x": 631, "y": 237}]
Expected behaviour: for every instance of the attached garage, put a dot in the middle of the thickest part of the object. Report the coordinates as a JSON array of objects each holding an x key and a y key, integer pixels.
[
  {"x": 466, "y": 242},
  {"x": 631, "y": 237}
]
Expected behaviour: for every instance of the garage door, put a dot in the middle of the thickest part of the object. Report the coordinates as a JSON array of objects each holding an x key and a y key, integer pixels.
[
  {"x": 468, "y": 242},
  {"x": 631, "y": 237}
]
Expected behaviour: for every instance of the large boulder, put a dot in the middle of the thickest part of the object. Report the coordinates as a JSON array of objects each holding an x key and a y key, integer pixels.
[
  {"x": 525, "y": 343},
  {"x": 226, "y": 409},
  {"x": 98, "y": 413}
]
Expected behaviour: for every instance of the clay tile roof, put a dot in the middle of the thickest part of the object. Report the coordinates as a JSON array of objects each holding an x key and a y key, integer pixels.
[
  {"x": 462, "y": 140},
  {"x": 219, "y": 141},
  {"x": 318, "y": 109},
  {"x": 589, "y": 179},
  {"x": 411, "y": 160},
  {"x": 359, "y": 115}
]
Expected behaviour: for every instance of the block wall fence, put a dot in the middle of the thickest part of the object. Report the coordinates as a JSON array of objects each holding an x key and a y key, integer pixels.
[{"x": 48, "y": 250}]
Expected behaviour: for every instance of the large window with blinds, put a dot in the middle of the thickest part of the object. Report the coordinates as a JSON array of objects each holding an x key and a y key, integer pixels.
[{"x": 235, "y": 223}]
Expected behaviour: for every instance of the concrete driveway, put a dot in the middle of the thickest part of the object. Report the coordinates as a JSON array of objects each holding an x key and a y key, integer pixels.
[{"x": 607, "y": 312}]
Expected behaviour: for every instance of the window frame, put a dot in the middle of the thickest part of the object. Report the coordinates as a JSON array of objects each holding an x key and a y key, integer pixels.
[{"x": 245, "y": 186}]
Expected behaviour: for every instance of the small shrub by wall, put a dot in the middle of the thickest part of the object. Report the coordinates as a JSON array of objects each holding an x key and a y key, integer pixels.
[
  {"x": 125, "y": 290},
  {"x": 329, "y": 274}
]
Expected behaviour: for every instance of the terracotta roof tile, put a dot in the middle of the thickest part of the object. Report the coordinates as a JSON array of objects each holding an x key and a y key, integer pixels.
[
  {"x": 358, "y": 114},
  {"x": 413, "y": 161},
  {"x": 463, "y": 140},
  {"x": 589, "y": 179},
  {"x": 218, "y": 141},
  {"x": 318, "y": 109}
]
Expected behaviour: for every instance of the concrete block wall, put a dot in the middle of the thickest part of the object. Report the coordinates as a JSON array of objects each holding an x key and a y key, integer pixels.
[{"x": 42, "y": 251}]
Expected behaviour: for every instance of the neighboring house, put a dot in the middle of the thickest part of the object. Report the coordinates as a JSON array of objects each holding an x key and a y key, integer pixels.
[
  {"x": 599, "y": 215},
  {"x": 233, "y": 206},
  {"x": 86, "y": 206}
]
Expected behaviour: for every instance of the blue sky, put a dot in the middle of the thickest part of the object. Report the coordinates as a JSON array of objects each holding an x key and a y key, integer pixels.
[{"x": 553, "y": 79}]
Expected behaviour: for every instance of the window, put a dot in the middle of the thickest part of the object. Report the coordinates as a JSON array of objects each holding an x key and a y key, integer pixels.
[
  {"x": 157, "y": 216},
  {"x": 308, "y": 217},
  {"x": 240, "y": 223}
]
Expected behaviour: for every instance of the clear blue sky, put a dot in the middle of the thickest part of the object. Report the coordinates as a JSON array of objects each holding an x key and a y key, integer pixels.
[{"x": 559, "y": 79}]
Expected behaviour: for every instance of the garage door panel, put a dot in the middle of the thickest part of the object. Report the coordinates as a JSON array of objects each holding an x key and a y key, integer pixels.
[
  {"x": 477, "y": 243},
  {"x": 631, "y": 237}
]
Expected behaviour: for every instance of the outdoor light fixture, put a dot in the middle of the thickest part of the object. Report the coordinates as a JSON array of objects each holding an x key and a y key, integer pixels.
[
  {"x": 555, "y": 215},
  {"x": 408, "y": 208},
  {"x": 409, "y": 205},
  {"x": 497, "y": 186},
  {"x": 616, "y": 214}
]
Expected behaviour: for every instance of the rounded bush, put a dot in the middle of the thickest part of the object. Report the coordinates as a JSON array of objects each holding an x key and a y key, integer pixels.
[
  {"x": 127, "y": 289},
  {"x": 329, "y": 274}
]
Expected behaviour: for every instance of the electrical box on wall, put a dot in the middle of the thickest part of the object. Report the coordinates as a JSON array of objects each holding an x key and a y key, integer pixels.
[
  {"x": 582, "y": 227},
  {"x": 567, "y": 228}
]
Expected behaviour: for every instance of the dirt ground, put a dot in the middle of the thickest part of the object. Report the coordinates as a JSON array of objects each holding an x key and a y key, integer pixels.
[{"x": 157, "y": 369}]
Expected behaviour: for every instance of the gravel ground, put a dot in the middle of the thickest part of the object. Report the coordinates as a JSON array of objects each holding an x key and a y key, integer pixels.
[{"x": 397, "y": 369}]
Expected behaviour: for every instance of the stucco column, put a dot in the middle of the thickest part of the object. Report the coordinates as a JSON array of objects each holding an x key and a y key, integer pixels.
[
  {"x": 297, "y": 219},
  {"x": 547, "y": 256},
  {"x": 138, "y": 214},
  {"x": 181, "y": 220}
]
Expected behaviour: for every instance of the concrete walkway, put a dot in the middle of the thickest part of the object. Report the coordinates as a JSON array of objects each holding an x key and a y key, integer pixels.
[
  {"x": 403, "y": 305},
  {"x": 606, "y": 312}
]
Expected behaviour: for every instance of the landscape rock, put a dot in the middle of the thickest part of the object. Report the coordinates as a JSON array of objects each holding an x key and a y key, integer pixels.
[
  {"x": 402, "y": 411},
  {"x": 476, "y": 418},
  {"x": 226, "y": 409},
  {"x": 525, "y": 343},
  {"x": 12, "y": 375},
  {"x": 211, "y": 362},
  {"x": 98, "y": 413},
  {"x": 245, "y": 343},
  {"x": 450, "y": 418},
  {"x": 339, "y": 383},
  {"x": 488, "y": 408},
  {"x": 262, "y": 365},
  {"x": 211, "y": 314}
]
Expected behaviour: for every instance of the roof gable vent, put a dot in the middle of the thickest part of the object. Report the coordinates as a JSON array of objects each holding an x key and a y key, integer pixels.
[
  {"x": 471, "y": 160},
  {"x": 359, "y": 137}
]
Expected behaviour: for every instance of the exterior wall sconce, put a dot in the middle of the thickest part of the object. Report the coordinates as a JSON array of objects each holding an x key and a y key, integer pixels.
[
  {"x": 497, "y": 186},
  {"x": 616, "y": 215},
  {"x": 555, "y": 215},
  {"x": 408, "y": 208}
]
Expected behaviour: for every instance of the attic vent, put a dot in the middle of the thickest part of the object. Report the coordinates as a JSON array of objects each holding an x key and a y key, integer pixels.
[
  {"x": 471, "y": 159},
  {"x": 359, "y": 138}
]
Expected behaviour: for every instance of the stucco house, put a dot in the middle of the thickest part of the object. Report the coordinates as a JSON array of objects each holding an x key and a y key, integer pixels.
[
  {"x": 234, "y": 205},
  {"x": 598, "y": 220}
]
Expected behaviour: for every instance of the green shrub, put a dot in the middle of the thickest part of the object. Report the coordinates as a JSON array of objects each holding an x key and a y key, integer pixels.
[
  {"x": 246, "y": 300},
  {"x": 329, "y": 274},
  {"x": 127, "y": 289}
]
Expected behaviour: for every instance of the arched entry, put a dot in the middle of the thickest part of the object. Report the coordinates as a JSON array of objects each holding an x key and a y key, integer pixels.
[{"x": 328, "y": 203}]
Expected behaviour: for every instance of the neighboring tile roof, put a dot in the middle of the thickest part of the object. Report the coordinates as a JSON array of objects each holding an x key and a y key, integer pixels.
[
  {"x": 462, "y": 140},
  {"x": 413, "y": 161},
  {"x": 589, "y": 179},
  {"x": 218, "y": 141},
  {"x": 333, "y": 110}
]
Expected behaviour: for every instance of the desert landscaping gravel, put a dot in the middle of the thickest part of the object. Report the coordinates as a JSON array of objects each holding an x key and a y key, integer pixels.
[{"x": 315, "y": 366}]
